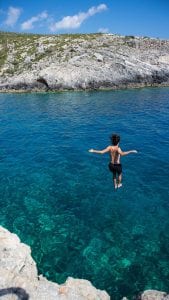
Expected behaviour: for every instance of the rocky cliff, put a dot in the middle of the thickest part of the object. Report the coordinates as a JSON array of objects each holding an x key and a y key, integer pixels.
[
  {"x": 19, "y": 278},
  {"x": 81, "y": 61}
]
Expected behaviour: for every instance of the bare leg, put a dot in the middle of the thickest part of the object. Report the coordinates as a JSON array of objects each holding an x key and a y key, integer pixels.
[
  {"x": 115, "y": 182},
  {"x": 119, "y": 181}
]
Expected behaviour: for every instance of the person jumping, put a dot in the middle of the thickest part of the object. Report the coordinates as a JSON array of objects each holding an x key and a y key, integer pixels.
[{"x": 115, "y": 153}]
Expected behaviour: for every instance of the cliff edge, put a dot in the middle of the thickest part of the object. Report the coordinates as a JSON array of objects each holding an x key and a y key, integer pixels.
[{"x": 19, "y": 278}]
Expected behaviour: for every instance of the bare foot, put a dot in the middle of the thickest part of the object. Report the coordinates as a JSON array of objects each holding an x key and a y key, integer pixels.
[{"x": 119, "y": 185}]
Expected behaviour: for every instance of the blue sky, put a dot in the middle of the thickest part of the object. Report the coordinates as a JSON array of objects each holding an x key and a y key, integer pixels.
[{"x": 132, "y": 17}]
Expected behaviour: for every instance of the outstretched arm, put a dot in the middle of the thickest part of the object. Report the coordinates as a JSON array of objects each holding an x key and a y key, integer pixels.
[
  {"x": 122, "y": 153},
  {"x": 100, "y": 151}
]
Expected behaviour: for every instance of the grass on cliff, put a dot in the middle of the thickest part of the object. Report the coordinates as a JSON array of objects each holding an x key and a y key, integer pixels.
[{"x": 21, "y": 45}]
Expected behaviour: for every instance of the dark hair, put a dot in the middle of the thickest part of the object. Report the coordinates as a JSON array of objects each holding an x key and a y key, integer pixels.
[{"x": 115, "y": 139}]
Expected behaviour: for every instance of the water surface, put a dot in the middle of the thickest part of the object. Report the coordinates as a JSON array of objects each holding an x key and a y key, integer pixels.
[{"x": 60, "y": 200}]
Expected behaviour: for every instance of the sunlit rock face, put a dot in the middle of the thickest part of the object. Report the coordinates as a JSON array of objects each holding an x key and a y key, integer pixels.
[
  {"x": 19, "y": 278},
  {"x": 153, "y": 295},
  {"x": 82, "y": 61}
]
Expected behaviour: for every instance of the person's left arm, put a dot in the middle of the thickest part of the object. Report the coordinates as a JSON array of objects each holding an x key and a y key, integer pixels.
[
  {"x": 100, "y": 151},
  {"x": 123, "y": 153}
]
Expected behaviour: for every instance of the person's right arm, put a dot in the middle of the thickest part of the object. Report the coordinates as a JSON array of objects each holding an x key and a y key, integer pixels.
[
  {"x": 123, "y": 153},
  {"x": 100, "y": 151}
]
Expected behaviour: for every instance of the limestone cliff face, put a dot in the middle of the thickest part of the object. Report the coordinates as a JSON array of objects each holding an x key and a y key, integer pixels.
[
  {"x": 84, "y": 61},
  {"x": 19, "y": 278}
]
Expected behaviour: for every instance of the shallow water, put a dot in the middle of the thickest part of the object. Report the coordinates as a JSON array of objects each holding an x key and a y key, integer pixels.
[{"x": 60, "y": 200}]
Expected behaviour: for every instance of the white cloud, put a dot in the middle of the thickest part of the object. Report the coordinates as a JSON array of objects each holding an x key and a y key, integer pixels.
[
  {"x": 13, "y": 15},
  {"x": 103, "y": 30},
  {"x": 29, "y": 24},
  {"x": 72, "y": 22}
]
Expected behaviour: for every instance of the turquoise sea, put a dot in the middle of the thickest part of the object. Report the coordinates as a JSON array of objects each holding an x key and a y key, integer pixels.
[{"x": 60, "y": 200}]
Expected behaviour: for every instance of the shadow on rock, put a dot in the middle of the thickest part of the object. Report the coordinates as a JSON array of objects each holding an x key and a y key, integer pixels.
[{"x": 19, "y": 292}]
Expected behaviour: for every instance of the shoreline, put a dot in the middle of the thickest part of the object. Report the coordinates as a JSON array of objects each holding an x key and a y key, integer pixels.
[{"x": 102, "y": 89}]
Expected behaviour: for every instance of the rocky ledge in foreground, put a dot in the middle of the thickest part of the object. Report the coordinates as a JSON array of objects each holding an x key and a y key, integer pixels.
[
  {"x": 81, "y": 61},
  {"x": 19, "y": 277}
]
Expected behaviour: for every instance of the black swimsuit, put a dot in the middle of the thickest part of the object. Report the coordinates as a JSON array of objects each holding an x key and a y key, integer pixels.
[{"x": 116, "y": 169}]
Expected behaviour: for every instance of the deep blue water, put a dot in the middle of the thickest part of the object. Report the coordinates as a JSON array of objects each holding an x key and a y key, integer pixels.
[{"x": 60, "y": 199}]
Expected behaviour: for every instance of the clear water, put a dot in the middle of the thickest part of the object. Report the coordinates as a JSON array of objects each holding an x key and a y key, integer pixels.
[{"x": 60, "y": 200}]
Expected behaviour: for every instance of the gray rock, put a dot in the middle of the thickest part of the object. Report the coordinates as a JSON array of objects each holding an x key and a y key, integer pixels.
[
  {"x": 154, "y": 295},
  {"x": 99, "y": 57},
  {"x": 18, "y": 276}
]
